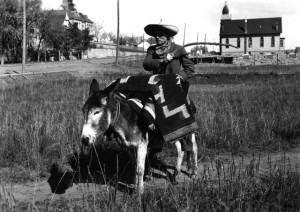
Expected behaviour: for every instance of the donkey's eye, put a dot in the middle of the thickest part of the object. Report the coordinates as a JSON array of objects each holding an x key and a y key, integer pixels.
[{"x": 97, "y": 112}]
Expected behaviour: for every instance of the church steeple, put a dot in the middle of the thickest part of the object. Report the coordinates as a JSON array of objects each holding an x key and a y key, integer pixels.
[
  {"x": 68, "y": 5},
  {"x": 225, "y": 12}
]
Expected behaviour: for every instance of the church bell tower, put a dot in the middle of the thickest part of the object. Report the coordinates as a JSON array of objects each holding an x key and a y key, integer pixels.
[
  {"x": 68, "y": 5},
  {"x": 225, "y": 13}
]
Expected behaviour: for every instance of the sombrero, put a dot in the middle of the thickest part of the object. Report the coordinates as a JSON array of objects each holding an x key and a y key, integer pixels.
[{"x": 161, "y": 29}]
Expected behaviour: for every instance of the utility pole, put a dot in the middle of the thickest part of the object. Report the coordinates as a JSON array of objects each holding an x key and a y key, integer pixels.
[
  {"x": 118, "y": 37},
  {"x": 204, "y": 44},
  {"x": 24, "y": 38},
  {"x": 143, "y": 42},
  {"x": 184, "y": 34}
]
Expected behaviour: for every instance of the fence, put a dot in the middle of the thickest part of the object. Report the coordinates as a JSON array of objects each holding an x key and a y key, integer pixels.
[{"x": 267, "y": 59}]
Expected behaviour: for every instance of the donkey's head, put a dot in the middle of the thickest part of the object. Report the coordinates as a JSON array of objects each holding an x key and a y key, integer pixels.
[{"x": 98, "y": 112}]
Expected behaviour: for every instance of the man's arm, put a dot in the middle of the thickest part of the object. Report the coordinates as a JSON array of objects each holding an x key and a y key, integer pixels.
[{"x": 188, "y": 66}]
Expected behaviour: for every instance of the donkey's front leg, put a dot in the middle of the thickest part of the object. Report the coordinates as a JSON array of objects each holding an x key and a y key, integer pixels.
[
  {"x": 192, "y": 157},
  {"x": 141, "y": 158},
  {"x": 180, "y": 155}
]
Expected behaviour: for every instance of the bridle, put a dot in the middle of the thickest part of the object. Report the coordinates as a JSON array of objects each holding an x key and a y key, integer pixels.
[{"x": 117, "y": 114}]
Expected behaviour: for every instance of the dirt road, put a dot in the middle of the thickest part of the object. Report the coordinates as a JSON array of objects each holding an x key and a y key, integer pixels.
[{"x": 39, "y": 193}]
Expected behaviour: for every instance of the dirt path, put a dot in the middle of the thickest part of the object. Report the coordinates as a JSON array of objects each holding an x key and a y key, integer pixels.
[
  {"x": 60, "y": 66},
  {"x": 39, "y": 193}
]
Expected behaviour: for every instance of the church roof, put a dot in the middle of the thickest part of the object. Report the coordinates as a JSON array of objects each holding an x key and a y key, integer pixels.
[
  {"x": 255, "y": 27},
  {"x": 58, "y": 16}
]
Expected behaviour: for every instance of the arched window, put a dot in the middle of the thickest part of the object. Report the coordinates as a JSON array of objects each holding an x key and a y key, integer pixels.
[
  {"x": 272, "y": 41},
  {"x": 261, "y": 41},
  {"x": 238, "y": 42},
  {"x": 227, "y": 42},
  {"x": 250, "y": 42}
]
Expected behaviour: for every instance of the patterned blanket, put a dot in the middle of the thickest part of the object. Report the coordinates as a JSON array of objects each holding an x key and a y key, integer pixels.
[{"x": 172, "y": 112}]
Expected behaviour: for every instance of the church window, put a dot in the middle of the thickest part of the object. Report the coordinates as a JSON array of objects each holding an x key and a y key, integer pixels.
[
  {"x": 227, "y": 42},
  {"x": 281, "y": 42},
  {"x": 261, "y": 41},
  {"x": 250, "y": 42},
  {"x": 272, "y": 41}
]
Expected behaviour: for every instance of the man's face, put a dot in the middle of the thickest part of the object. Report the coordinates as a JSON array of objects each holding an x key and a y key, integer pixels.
[{"x": 161, "y": 39}]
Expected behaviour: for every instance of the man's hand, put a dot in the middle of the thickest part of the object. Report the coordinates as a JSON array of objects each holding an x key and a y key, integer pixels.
[{"x": 170, "y": 57}]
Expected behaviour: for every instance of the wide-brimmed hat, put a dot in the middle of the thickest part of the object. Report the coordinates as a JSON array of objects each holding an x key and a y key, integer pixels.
[{"x": 161, "y": 29}]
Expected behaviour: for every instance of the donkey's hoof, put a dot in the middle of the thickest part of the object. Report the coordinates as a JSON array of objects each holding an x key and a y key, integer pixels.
[
  {"x": 174, "y": 182},
  {"x": 171, "y": 178},
  {"x": 193, "y": 176}
]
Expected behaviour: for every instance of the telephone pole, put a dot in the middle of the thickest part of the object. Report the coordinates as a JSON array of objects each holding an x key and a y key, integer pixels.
[
  {"x": 184, "y": 34},
  {"x": 118, "y": 37},
  {"x": 24, "y": 38}
]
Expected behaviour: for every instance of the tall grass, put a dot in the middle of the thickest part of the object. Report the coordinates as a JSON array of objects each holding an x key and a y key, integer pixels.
[
  {"x": 260, "y": 116},
  {"x": 42, "y": 122}
]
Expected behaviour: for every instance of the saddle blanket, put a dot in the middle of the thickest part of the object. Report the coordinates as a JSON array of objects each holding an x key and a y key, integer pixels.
[{"x": 172, "y": 112}]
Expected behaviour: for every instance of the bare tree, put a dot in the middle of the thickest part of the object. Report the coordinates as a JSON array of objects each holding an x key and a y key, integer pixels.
[{"x": 96, "y": 30}]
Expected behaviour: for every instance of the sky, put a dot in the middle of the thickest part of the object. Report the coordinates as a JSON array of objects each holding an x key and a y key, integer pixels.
[{"x": 200, "y": 18}]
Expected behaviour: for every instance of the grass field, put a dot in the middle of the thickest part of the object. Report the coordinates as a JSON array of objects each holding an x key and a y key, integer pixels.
[{"x": 240, "y": 111}]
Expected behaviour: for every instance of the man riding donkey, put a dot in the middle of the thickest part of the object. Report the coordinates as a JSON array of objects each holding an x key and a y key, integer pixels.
[
  {"x": 160, "y": 59},
  {"x": 172, "y": 71}
]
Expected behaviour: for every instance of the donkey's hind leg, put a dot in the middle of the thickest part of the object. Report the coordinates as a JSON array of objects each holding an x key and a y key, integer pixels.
[
  {"x": 180, "y": 155},
  {"x": 192, "y": 157}
]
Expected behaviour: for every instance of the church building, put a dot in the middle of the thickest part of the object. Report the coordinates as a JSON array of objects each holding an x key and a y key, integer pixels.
[
  {"x": 259, "y": 35},
  {"x": 69, "y": 15}
]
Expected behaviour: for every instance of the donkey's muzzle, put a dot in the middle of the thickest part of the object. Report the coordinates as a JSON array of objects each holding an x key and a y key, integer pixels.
[{"x": 85, "y": 140}]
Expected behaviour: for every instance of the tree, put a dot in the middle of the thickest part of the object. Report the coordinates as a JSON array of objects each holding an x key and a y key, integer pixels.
[
  {"x": 8, "y": 14},
  {"x": 200, "y": 48},
  {"x": 112, "y": 37},
  {"x": 96, "y": 30},
  {"x": 103, "y": 37},
  {"x": 77, "y": 40},
  {"x": 11, "y": 26},
  {"x": 63, "y": 38},
  {"x": 151, "y": 40},
  {"x": 86, "y": 38}
]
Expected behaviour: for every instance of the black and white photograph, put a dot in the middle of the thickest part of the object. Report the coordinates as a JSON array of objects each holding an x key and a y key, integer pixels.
[{"x": 162, "y": 105}]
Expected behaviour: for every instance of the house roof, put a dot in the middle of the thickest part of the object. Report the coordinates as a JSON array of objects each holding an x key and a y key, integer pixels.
[
  {"x": 58, "y": 16},
  {"x": 85, "y": 18},
  {"x": 259, "y": 26}
]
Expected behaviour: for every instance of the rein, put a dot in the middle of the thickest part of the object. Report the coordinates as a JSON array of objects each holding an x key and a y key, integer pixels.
[
  {"x": 111, "y": 128},
  {"x": 117, "y": 114}
]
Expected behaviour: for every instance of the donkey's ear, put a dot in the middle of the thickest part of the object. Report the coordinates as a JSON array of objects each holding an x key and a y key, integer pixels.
[
  {"x": 94, "y": 87},
  {"x": 111, "y": 88}
]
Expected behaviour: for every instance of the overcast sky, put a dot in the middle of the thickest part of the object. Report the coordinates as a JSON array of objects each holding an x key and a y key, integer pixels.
[{"x": 202, "y": 17}]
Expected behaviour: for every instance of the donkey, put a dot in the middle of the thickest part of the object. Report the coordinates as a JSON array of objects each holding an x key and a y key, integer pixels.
[{"x": 106, "y": 113}]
